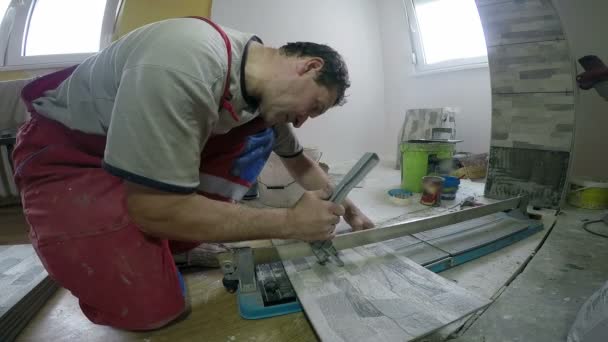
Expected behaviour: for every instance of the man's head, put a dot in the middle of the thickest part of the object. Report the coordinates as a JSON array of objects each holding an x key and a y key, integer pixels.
[{"x": 307, "y": 79}]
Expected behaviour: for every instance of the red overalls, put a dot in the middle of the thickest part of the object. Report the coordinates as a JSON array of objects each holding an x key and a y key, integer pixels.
[{"x": 79, "y": 222}]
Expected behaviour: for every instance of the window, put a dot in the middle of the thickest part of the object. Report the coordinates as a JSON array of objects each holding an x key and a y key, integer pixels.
[
  {"x": 3, "y": 6},
  {"x": 446, "y": 34},
  {"x": 54, "y": 33},
  {"x": 3, "y": 26}
]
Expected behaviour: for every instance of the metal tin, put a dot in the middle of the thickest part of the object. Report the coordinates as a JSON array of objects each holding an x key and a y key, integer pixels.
[{"x": 431, "y": 190}]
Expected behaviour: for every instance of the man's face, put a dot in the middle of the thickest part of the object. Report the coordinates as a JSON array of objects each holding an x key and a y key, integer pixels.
[{"x": 296, "y": 98}]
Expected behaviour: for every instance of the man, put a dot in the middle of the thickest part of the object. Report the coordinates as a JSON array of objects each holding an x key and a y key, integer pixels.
[
  {"x": 110, "y": 164},
  {"x": 594, "y": 76}
]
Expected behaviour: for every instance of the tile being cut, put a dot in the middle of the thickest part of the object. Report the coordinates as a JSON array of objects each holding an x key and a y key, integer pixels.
[
  {"x": 458, "y": 238},
  {"x": 378, "y": 295},
  {"x": 415, "y": 249}
]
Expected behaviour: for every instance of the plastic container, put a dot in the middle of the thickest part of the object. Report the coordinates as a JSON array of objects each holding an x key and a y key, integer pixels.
[
  {"x": 450, "y": 187},
  {"x": 592, "y": 318},
  {"x": 588, "y": 193},
  {"x": 400, "y": 196}
]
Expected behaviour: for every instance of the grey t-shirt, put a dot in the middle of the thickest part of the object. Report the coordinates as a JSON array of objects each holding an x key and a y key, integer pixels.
[{"x": 155, "y": 94}]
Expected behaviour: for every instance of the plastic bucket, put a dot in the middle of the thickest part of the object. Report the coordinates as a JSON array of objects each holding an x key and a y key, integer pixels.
[
  {"x": 416, "y": 160},
  {"x": 588, "y": 193}
]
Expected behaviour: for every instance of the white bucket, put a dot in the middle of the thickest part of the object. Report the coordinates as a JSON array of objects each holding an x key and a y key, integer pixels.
[{"x": 276, "y": 186}]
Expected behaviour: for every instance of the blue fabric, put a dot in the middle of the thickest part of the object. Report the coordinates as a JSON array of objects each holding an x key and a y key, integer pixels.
[
  {"x": 257, "y": 149},
  {"x": 182, "y": 284}
]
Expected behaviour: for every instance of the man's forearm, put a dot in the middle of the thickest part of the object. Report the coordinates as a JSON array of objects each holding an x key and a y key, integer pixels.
[
  {"x": 311, "y": 176},
  {"x": 307, "y": 173},
  {"x": 197, "y": 218}
]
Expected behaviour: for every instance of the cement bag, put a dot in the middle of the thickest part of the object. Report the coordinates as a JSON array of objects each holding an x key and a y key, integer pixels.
[{"x": 591, "y": 323}]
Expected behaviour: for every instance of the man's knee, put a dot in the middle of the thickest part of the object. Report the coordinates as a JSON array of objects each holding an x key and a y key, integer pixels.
[{"x": 137, "y": 314}]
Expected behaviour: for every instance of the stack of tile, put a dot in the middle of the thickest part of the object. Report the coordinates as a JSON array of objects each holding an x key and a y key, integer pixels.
[
  {"x": 25, "y": 287},
  {"x": 9, "y": 194}
]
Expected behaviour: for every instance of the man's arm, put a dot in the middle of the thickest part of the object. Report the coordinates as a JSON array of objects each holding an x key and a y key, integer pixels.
[
  {"x": 196, "y": 218},
  {"x": 311, "y": 176}
]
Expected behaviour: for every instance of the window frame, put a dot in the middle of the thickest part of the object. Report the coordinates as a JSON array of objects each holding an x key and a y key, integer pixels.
[
  {"x": 418, "y": 58},
  {"x": 15, "y": 25}
]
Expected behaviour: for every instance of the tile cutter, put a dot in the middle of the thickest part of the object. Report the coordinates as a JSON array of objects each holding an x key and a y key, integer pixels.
[{"x": 241, "y": 266}]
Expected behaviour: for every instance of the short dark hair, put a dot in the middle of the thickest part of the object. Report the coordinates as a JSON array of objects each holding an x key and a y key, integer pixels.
[{"x": 334, "y": 73}]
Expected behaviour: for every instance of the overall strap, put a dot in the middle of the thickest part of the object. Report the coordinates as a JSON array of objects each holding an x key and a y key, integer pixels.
[{"x": 226, "y": 97}]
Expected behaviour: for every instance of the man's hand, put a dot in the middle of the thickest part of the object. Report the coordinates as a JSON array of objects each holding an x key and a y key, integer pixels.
[
  {"x": 356, "y": 219},
  {"x": 313, "y": 217},
  {"x": 309, "y": 174}
]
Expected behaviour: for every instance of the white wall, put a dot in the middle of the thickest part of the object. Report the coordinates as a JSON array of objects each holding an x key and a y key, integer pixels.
[
  {"x": 587, "y": 29},
  {"x": 349, "y": 26},
  {"x": 467, "y": 89},
  {"x": 372, "y": 36}
]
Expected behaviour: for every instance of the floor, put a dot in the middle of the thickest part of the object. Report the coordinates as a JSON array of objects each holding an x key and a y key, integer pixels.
[
  {"x": 14, "y": 228},
  {"x": 492, "y": 275},
  {"x": 542, "y": 302}
]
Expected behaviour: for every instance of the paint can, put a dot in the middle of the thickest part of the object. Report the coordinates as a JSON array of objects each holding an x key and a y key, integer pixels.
[{"x": 431, "y": 190}]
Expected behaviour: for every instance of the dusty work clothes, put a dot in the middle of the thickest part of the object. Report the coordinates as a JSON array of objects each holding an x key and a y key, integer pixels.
[
  {"x": 146, "y": 109},
  {"x": 157, "y": 91}
]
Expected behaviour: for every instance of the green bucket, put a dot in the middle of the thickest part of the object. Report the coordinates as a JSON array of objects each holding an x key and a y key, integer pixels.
[{"x": 423, "y": 159}]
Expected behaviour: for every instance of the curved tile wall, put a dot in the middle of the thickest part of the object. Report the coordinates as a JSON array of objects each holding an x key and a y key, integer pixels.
[{"x": 532, "y": 77}]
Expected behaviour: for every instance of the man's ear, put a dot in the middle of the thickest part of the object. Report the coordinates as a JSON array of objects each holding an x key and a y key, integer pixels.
[{"x": 310, "y": 64}]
